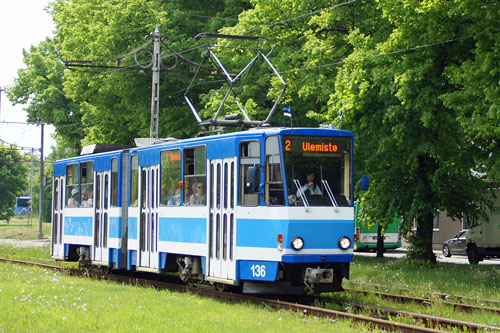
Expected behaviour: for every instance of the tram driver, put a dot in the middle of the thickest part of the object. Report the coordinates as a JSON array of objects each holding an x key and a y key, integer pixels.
[{"x": 310, "y": 187}]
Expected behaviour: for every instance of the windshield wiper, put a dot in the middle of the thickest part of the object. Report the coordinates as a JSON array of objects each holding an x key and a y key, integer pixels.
[
  {"x": 302, "y": 195},
  {"x": 330, "y": 193}
]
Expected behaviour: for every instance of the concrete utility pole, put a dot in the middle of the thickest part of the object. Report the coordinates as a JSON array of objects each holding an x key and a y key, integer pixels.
[
  {"x": 155, "y": 86},
  {"x": 155, "y": 64},
  {"x": 42, "y": 177}
]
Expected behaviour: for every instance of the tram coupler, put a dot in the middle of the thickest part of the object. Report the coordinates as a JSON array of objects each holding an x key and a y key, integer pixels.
[{"x": 317, "y": 275}]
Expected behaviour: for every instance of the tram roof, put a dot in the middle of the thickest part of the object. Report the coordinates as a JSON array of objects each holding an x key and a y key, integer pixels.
[
  {"x": 256, "y": 132},
  {"x": 103, "y": 160}
]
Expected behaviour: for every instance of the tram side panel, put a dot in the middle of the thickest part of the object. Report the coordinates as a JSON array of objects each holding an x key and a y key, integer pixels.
[{"x": 87, "y": 209}]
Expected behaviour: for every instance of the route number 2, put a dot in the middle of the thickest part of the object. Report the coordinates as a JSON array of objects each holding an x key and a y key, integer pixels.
[{"x": 258, "y": 270}]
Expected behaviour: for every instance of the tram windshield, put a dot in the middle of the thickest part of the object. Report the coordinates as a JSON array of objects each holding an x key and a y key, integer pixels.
[{"x": 318, "y": 170}]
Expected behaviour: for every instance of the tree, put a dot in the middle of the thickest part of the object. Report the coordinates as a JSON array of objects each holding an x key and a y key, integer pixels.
[
  {"x": 117, "y": 103},
  {"x": 302, "y": 42},
  {"x": 410, "y": 142},
  {"x": 12, "y": 179},
  {"x": 90, "y": 106}
]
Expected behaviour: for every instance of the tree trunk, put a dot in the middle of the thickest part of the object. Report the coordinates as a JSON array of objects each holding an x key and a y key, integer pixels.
[
  {"x": 380, "y": 242},
  {"x": 422, "y": 242}
]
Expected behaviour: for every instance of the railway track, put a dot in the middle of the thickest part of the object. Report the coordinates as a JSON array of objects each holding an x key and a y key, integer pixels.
[
  {"x": 445, "y": 296},
  {"x": 425, "y": 301},
  {"x": 432, "y": 324}
]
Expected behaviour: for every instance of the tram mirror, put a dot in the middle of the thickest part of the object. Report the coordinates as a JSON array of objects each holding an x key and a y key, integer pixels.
[{"x": 365, "y": 183}]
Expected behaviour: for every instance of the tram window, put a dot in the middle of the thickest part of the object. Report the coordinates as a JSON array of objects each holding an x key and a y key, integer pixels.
[
  {"x": 72, "y": 193},
  {"x": 56, "y": 195},
  {"x": 54, "y": 229},
  {"x": 96, "y": 230},
  {"x": 195, "y": 176},
  {"x": 114, "y": 182},
  {"x": 87, "y": 183},
  {"x": 105, "y": 231},
  {"x": 171, "y": 185},
  {"x": 134, "y": 181},
  {"x": 143, "y": 188},
  {"x": 231, "y": 239},
  {"x": 318, "y": 170},
  {"x": 226, "y": 185},
  {"x": 224, "y": 235},
  {"x": 232, "y": 185},
  {"x": 274, "y": 194},
  {"x": 98, "y": 192},
  {"x": 249, "y": 158},
  {"x": 106, "y": 188}
]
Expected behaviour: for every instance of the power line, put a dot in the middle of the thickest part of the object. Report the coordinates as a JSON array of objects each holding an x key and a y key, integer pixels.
[
  {"x": 301, "y": 16},
  {"x": 384, "y": 54}
]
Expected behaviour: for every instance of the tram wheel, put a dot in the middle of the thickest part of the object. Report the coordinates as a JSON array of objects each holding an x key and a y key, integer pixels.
[{"x": 220, "y": 286}]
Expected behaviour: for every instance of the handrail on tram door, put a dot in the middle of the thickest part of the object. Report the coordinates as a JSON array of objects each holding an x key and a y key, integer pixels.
[{"x": 302, "y": 195}]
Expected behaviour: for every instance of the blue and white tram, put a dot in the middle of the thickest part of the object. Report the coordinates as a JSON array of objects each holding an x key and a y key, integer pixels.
[{"x": 233, "y": 209}]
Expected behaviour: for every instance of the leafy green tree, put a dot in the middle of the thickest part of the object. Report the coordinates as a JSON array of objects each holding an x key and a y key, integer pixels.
[
  {"x": 116, "y": 103},
  {"x": 408, "y": 140},
  {"x": 476, "y": 97},
  {"x": 13, "y": 179},
  {"x": 301, "y": 43}
]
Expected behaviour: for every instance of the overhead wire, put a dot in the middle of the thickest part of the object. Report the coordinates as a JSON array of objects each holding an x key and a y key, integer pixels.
[
  {"x": 301, "y": 16},
  {"x": 382, "y": 54}
]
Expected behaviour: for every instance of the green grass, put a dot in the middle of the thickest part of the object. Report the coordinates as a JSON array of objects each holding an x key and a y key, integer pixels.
[
  {"x": 423, "y": 280},
  {"x": 22, "y": 229},
  {"x": 34, "y": 299},
  {"x": 392, "y": 275},
  {"x": 480, "y": 281}
]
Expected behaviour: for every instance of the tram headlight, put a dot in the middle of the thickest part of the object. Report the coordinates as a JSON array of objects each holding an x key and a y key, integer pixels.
[
  {"x": 297, "y": 243},
  {"x": 344, "y": 243}
]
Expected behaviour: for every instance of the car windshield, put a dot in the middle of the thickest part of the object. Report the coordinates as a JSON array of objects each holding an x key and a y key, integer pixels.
[{"x": 318, "y": 170}]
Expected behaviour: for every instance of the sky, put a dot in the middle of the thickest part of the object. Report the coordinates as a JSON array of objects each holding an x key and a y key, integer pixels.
[{"x": 22, "y": 23}]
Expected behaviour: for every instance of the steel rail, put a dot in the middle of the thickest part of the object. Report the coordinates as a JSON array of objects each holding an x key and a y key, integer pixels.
[
  {"x": 424, "y": 301},
  {"x": 443, "y": 296},
  {"x": 429, "y": 320},
  {"x": 274, "y": 303}
]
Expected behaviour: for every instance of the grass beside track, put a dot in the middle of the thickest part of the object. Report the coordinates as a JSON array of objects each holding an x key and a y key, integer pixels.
[
  {"x": 36, "y": 299},
  {"x": 392, "y": 275},
  {"x": 423, "y": 280},
  {"x": 21, "y": 228}
]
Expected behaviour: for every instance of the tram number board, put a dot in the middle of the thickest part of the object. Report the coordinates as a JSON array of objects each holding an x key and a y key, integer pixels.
[{"x": 313, "y": 145}]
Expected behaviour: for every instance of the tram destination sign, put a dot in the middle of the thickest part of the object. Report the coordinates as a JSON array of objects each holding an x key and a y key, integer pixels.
[{"x": 327, "y": 145}]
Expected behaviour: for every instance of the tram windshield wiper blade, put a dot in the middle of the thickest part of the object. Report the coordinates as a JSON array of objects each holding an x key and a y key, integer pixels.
[{"x": 330, "y": 193}]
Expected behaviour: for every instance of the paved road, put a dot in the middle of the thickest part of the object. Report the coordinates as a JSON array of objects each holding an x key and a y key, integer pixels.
[{"x": 454, "y": 259}]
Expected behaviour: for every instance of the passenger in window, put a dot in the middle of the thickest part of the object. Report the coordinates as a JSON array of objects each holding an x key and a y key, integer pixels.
[
  {"x": 90, "y": 199},
  {"x": 198, "y": 197},
  {"x": 85, "y": 198},
  {"x": 73, "y": 201},
  {"x": 310, "y": 187},
  {"x": 175, "y": 200}
]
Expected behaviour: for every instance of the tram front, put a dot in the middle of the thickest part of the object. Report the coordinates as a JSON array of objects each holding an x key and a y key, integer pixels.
[{"x": 309, "y": 173}]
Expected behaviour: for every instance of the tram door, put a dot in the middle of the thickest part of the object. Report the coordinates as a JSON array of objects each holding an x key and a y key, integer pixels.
[
  {"x": 57, "y": 217},
  {"x": 222, "y": 220},
  {"x": 148, "y": 221},
  {"x": 101, "y": 217}
]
